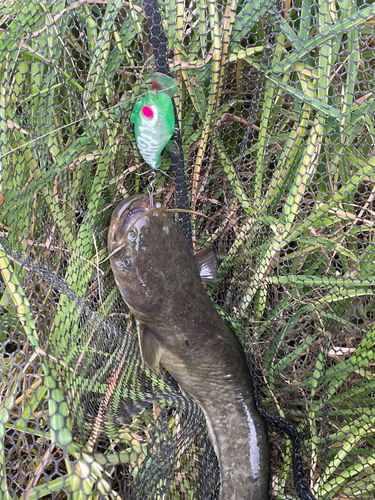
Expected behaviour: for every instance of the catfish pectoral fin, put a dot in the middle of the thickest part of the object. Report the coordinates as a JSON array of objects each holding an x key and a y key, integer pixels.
[
  {"x": 150, "y": 350},
  {"x": 207, "y": 265}
]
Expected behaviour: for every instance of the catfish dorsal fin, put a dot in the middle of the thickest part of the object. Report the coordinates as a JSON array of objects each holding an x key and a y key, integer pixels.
[
  {"x": 207, "y": 265},
  {"x": 150, "y": 350}
]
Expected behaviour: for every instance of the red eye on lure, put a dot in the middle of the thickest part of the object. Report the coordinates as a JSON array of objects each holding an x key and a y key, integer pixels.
[
  {"x": 154, "y": 121},
  {"x": 147, "y": 112}
]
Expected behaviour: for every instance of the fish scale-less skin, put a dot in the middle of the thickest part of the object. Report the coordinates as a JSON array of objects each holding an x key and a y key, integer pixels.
[{"x": 163, "y": 289}]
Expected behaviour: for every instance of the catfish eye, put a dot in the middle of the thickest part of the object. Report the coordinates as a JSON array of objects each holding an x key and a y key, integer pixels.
[
  {"x": 128, "y": 262},
  {"x": 132, "y": 235}
]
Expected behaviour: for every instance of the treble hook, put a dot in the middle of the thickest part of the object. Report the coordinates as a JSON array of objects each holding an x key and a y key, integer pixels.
[{"x": 150, "y": 189}]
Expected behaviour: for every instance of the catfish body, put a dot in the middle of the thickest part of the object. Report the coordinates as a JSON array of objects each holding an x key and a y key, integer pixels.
[{"x": 178, "y": 326}]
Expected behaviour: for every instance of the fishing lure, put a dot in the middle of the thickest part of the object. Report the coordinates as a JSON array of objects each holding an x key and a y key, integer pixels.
[{"x": 154, "y": 121}]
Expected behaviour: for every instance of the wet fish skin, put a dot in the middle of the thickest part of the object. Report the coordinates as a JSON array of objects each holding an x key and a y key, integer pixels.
[{"x": 178, "y": 325}]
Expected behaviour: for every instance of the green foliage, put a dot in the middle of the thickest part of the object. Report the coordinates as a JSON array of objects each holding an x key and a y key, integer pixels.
[{"x": 312, "y": 157}]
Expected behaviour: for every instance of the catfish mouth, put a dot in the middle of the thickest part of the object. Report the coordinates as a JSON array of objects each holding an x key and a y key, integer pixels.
[{"x": 128, "y": 214}]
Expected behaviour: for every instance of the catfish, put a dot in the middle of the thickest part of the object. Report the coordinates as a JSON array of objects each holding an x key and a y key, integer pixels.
[{"x": 178, "y": 326}]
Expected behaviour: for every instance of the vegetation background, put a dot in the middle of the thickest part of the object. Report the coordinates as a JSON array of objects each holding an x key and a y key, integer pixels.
[{"x": 276, "y": 108}]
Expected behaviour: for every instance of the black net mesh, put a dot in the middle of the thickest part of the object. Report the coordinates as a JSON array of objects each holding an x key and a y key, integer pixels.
[{"x": 275, "y": 106}]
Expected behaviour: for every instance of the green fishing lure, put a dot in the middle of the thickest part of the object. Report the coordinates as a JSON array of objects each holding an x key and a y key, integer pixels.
[{"x": 154, "y": 121}]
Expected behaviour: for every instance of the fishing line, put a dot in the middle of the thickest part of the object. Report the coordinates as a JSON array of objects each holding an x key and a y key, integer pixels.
[{"x": 90, "y": 117}]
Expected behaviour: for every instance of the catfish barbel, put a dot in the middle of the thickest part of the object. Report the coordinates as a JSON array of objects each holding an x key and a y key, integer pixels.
[{"x": 161, "y": 281}]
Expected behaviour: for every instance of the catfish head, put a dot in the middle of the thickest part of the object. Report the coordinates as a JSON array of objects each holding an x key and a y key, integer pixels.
[{"x": 152, "y": 263}]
